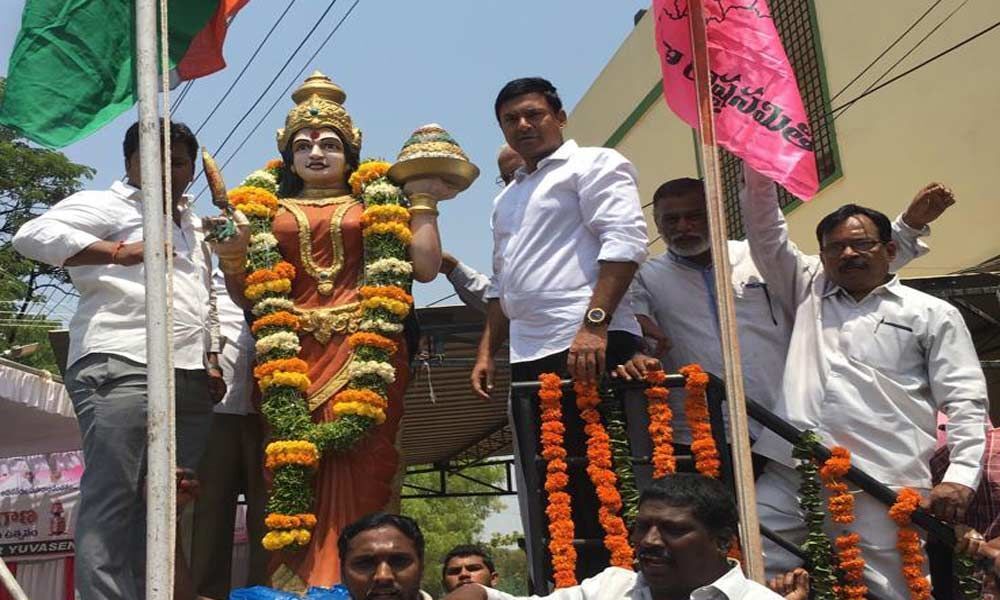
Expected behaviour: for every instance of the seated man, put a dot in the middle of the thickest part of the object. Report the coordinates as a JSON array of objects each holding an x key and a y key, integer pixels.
[
  {"x": 382, "y": 558},
  {"x": 681, "y": 537},
  {"x": 465, "y": 564}
]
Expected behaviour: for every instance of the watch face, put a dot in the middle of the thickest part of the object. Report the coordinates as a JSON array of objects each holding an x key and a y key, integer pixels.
[{"x": 596, "y": 315}]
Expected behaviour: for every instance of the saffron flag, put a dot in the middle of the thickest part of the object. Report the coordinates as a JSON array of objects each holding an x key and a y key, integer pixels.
[
  {"x": 757, "y": 107},
  {"x": 72, "y": 68}
]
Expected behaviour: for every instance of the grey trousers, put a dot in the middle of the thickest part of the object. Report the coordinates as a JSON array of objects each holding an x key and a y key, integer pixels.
[
  {"x": 109, "y": 396},
  {"x": 233, "y": 464}
]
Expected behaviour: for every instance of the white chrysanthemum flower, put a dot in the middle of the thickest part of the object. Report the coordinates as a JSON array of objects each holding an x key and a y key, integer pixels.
[
  {"x": 389, "y": 265},
  {"x": 382, "y": 189},
  {"x": 269, "y": 305},
  {"x": 384, "y": 370},
  {"x": 283, "y": 340},
  {"x": 262, "y": 179},
  {"x": 380, "y": 326},
  {"x": 262, "y": 241}
]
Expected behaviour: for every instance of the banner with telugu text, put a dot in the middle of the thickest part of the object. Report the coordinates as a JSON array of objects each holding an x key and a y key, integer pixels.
[
  {"x": 39, "y": 496},
  {"x": 759, "y": 115}
]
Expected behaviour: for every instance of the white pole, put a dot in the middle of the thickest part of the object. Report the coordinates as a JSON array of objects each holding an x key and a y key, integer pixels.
[
  {"x": 160, "y": 486},
  {"x": 739, "y": 437},
  {"x": 13, "y": 587}
]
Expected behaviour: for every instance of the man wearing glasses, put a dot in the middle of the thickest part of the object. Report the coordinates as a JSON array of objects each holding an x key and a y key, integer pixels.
[{"x": 870, "y": 364}]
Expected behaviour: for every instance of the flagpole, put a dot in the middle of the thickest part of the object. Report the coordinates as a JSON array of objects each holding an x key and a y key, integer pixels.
[
  {"x": 753, "y": 561},
  {"x": 160, "y": 485}
]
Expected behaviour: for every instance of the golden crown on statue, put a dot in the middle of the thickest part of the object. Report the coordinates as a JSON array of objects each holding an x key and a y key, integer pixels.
[{"x": 319, "y": 103}]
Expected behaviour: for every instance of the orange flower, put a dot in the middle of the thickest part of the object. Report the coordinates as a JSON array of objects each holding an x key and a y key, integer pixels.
[
  {"x": 386, "y": 291},
  {"x": 274, "y": 163},
  {"x": 561, "y": 529},
  {"x": 252, "y": 195},
  {"x": 363, "y": 338},
  {"x": 908, "y": 544},
  {"x": 363, "y": 396},
  {"x": 293, "y": 365},
  {"x": 661, "y": 433},
  {"x": 706, "y": 455},
  {"x": 285, "y": 270},
  {"x": 277, "y": 319}
]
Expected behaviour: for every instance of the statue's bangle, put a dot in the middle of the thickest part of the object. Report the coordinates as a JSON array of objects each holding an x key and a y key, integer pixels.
[
  {"x": 233, "y": 265},
  {"x": 423, "y": 203}
]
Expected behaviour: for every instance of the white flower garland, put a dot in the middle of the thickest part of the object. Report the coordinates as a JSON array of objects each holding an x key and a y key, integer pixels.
[
  {"x": 380, "y": 326},
  {"x": 263, "y": 179},
  {"x": 360, "y": 368},
  {"x": 262, "y": 241},
  {"x": 270, "y": 305},
  {"x": 390, "y": 265},
  {"x": 282, "y": 340}
]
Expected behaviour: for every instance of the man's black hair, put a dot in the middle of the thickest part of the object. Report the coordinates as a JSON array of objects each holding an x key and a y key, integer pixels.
[
  {"x": 678, "y": 187},
  {"x": 710, "y": 500},
  {"x": 528, "y": 85},
  {"x": 405, "y": 525},
  {"x": 179, "y": 134},
  {"x": 832, "y": 220},
  {"x": 463, "y": 550},
  {"x": 291, "y": 185}
]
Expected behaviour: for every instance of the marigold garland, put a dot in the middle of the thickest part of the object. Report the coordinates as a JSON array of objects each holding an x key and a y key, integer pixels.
[
  {"x": 283, "y": 377},
  {"x": 561, "y": 529},
  {"x": 661, "y": 431},
  {"x": 909, "y": 544},
  {"x": 840, "y": 504},
  {"x": 603, "y": 477},
  {"x": 817, "y": 547},
  {"x": 706, "y": 455}
]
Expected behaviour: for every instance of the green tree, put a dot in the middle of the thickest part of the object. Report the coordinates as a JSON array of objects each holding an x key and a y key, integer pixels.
[
  {"x": 31, "y": 180},
  {"x": 448, "y": 522}
]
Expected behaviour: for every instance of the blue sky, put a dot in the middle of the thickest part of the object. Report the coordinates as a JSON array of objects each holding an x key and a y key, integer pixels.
[{"x": 403, "y": 64}]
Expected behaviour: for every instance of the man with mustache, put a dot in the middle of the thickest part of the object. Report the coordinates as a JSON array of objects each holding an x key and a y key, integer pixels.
[
  {"x": 467, "y": 564},
  {"x": 870, "y": 364},
  {"x": 682, "y": 534},
  {"x": 673, "y": 295},
  {"x": 382, "y": 558}
]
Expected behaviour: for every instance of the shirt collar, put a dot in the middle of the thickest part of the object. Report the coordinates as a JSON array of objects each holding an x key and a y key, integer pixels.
[
  {"x": 687, "y": 262},
  {"x": 893, "y": 286},
  {"x": 732, "y": 584},
  {"x": 562, "y": 153},
  {"x": 130, "y": 192}
]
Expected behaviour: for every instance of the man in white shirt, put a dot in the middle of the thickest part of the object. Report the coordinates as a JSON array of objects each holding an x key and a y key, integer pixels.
[
  {"x": 681, "y": 537},
  {"x": 97, "y": 236},
  {"x": 232, "y": 463},
  {"x": 870, "y": 363},
  {"x": 568, "y": 235},
  {"x": 673, "y": 295},
  {"x": 470, "y": 284}
]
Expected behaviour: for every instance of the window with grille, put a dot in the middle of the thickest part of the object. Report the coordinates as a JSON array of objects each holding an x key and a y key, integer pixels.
[{"x": 796, "y": 24}]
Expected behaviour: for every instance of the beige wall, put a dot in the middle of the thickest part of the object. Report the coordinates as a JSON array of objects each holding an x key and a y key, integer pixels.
[{"x": 938, "y": 123}]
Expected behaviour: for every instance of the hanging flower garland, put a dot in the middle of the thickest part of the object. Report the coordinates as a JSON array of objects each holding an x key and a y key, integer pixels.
[
  {"x": 706, "y": 455},
  {"x": 282, "y": 376},
  {"x": 661, "y": 431},
  {"x": 840, "y": 504},
  {"x": 908, "y": 543},
  {"x": 561, "y": 530},
  {"x": 603, "y": 477},
  {"x": 817, "y": 547}
]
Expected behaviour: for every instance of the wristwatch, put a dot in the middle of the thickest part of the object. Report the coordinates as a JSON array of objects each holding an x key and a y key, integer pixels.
[{"x": 597, "y": 317}]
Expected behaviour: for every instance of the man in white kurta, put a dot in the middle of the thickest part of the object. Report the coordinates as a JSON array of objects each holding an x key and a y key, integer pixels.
[{"x": 870, "y": 363}]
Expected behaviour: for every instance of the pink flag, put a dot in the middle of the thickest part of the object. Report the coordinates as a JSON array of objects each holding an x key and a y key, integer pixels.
[{"x": 758, "y": 110}]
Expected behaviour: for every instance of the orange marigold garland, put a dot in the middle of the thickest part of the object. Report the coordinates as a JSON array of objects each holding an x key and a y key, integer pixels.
[
  {"x": 561, "y": 530},
  {"x": 661, "y": 432},
  {"x": 909, "y": 545},
  {"x": 706, "y": 455},
  {"x": 840, "y": 503},
  {"x": 599, "y": 468}
]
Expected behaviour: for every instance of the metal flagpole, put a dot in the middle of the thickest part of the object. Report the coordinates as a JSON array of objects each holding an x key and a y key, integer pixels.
[
  {"x": 160, "y": 486},
  {"x": 753, "y": 558}
]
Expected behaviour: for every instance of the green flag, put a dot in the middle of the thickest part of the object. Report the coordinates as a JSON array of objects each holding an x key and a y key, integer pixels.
[{"x": 72, "y": 67}]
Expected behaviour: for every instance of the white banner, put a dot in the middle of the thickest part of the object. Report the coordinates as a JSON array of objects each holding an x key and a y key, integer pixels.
[{"x": 39, "y": 496}]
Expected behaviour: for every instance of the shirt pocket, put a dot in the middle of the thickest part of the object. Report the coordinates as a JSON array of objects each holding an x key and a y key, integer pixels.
[
  {"x": 887, "y": 344},
  {"x": 755, "y": 304}
]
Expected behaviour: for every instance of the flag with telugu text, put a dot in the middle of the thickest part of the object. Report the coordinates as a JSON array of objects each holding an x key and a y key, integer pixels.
[
  {"x": 72, "y": 70},
  {"x": 758, "y": 111}
]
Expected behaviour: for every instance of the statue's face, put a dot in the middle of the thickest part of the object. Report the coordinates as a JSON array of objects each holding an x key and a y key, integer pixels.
[{"x": 318, "y": 157}]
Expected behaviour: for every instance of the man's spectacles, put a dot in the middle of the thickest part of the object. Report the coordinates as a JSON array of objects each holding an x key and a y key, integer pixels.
[{"x": 835, "y": 249}]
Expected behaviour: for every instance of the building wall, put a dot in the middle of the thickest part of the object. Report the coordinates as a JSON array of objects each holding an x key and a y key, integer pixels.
[{"x": 936, "y": 124}]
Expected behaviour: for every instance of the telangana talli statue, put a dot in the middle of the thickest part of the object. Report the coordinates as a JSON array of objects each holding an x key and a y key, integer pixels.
[{"x": 324, "y": 259}]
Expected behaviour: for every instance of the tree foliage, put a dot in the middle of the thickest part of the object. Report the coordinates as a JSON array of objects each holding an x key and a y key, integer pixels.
[
  {"x": 448, "y": 522},
  {"x": 31, "y": 180}
]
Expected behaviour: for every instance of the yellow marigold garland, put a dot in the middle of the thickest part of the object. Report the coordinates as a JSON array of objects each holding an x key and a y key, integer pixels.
[{"x": 283, "y": 378}]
